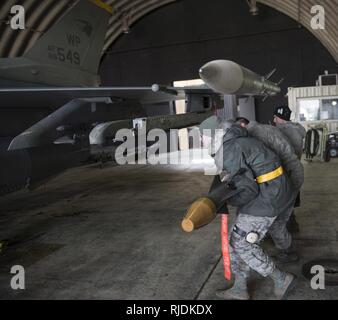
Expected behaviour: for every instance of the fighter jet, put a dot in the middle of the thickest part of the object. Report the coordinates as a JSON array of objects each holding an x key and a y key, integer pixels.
[{"x": 51, "y": 101}]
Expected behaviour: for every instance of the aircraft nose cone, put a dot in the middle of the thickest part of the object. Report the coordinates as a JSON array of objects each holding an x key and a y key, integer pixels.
[{"x": 208, "y": 72}]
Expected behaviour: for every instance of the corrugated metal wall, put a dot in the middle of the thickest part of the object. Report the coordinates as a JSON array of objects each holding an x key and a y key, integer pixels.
[
  {"x": 42, "y": 14},
  {"x": 300, "y": 10},
  {"x": 312, "y": 92}
]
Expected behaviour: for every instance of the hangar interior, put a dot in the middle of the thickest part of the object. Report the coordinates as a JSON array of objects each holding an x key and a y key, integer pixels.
[{"x": 106, "y": 231}]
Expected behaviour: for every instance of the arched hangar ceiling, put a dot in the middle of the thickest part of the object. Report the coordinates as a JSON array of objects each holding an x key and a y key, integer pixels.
[
  {"x": 300, "y": 10},
  {"x": 42, "y": 14}
]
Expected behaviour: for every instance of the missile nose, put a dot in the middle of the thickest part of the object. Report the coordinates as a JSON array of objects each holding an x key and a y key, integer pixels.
[{"x": 208, "y": 72}]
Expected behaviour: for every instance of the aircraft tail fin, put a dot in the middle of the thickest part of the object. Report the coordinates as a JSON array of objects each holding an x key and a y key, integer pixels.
[{"x": 76, "y": 40}]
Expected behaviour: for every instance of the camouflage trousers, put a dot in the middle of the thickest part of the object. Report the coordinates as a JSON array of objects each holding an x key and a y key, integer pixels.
[
  {"x": 279, "y": 232},
  {"x": 246, "y": 256}
]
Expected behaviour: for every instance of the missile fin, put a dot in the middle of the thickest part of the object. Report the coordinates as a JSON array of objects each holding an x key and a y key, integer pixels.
[
  {"x": 280, "y": 81},
  {"x": 265, "y": 97},
  {"x": 270, "y": 74}
]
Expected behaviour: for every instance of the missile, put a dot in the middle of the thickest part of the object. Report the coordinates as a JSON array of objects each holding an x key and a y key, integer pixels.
[{"x": 228, "y": 77}]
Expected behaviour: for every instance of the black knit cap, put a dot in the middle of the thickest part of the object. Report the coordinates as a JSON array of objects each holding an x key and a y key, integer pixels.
[{"x": 283, "y": 112}]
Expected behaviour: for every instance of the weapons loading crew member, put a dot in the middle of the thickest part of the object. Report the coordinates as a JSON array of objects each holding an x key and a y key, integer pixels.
[
  {"x": 274, "y": 139},
  {"x": 295, "y": 133},
  {"x": 239, "y": 152}
]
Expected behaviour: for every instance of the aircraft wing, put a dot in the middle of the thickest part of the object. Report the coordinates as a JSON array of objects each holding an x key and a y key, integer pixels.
[{"x": 37, "y": 96}]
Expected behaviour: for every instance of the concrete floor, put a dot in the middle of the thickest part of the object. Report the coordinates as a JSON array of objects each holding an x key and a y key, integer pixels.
[{"x": 115, "y": 234}]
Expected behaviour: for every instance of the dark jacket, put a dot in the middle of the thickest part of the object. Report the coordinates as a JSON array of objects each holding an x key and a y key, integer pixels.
[
  {"x": 295, "y": 133},
  {"x": 275, "y": 140},
  {"x": 241, "y": 153}
]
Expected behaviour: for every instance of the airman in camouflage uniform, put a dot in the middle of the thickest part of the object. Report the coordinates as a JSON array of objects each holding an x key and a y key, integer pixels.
[
  {"x": 241, "y": 153},
  {"x": 275, "y": 140},
  {"x": 295, "y": 134}
]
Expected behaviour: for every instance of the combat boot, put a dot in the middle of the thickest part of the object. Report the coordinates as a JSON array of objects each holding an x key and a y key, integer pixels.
[
  {"x": 284, "y": 282},
  {"x": 292, "y": 225},
  {"x": 287, "y": 256},
  {"x": 239, "y": 291}
]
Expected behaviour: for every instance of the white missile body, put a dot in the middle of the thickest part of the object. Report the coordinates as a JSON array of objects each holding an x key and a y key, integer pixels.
[{"x": 228, "y": 77}]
